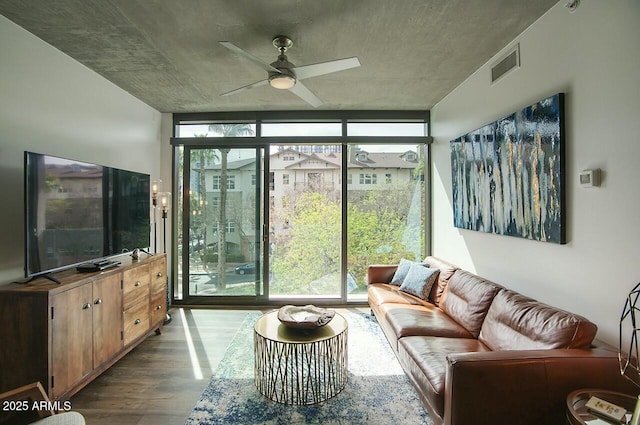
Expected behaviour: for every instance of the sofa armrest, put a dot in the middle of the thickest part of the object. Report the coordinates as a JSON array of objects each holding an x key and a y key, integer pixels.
[
  {"x": 381, "y": 273},
  {"x": 524, "y": 387}
]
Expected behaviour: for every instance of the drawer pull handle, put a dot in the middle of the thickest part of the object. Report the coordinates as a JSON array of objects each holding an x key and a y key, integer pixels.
[
  {"x": 137, "y": 322},
  {"x": 98, "y": 301},
  {"x": 138, "y": 283},
  {"x": 159, "y": 307},
  {"x": 159, "y": 274},
  {"x": 86, "y": 306}
]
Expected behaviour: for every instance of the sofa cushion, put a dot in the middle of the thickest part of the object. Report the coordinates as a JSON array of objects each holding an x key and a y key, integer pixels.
[
  {"x": 382, "y": 293},
  {"x": 467, "y": 299},
  {"x": 424, "y": 320},
  {"x": 446, "y": 271},
  {"x": 425, "y": 360},
  {"x": 419, "y": 281},
  {"x": 516, "y": 322},
  {"x": 402, "y": 271}
]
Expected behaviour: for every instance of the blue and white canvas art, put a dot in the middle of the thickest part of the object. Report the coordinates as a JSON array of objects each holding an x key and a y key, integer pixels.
[{"x": 507, "y": 177}]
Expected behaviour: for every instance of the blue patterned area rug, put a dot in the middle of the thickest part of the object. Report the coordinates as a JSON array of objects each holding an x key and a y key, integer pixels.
[{"x": 377, "y": 391}]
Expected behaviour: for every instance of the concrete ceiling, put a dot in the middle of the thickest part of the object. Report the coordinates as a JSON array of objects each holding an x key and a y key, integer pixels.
[{"x": 166, "y": 52}]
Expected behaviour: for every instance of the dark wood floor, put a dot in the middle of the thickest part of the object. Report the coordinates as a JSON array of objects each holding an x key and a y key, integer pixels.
[{"x": 161, "y": 380}]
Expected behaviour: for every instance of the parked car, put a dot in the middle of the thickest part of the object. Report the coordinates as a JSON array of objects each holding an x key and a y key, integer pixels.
[{"x": 246, "y": 268}]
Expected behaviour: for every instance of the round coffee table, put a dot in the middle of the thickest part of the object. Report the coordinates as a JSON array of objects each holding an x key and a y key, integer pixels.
[
  {"x": 578, "y": 414},
  {"x": 295, "y": 366}
]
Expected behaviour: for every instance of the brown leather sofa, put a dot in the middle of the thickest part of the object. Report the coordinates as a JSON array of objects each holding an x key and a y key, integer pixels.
[{"x": 479, "y": 353}]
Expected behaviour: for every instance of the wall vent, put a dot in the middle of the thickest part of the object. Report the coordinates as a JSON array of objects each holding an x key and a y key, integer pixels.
[{"x": 506, "y": 64}]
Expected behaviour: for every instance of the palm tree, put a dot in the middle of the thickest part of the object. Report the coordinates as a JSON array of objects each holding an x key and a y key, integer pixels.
[{"x": 226, "y": 130}]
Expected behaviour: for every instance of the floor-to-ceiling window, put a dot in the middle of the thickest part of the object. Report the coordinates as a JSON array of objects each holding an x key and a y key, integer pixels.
[
  {"x": 305, "y": 221},
  {"x": 282, "y": 208},
  {"x": 224, "y": 225}
]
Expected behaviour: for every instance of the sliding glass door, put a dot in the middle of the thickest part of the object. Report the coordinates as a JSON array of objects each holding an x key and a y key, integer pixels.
[{"x": 221, "y": 229}]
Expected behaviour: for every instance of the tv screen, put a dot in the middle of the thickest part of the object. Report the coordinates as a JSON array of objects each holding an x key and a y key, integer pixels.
[{"x": 77, "y": 212}]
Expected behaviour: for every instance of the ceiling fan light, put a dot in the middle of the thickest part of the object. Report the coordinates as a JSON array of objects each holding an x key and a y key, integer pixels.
[{"x": 282, "y": 81}]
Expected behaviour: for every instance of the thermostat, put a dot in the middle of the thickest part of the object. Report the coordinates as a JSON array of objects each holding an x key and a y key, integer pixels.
[{"x": 590, "y": 178}]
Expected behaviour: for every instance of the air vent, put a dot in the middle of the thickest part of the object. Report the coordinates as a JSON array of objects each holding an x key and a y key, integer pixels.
[{"x": 506, "y": 64}]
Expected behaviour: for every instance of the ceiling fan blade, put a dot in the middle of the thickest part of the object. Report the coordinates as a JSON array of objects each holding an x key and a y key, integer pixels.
[
  {"x": 250, "y": 86},
  {"x": 308, "y": 71},
  {"x": 229, "y": 45},
  {"x": 305, "y": 94}
]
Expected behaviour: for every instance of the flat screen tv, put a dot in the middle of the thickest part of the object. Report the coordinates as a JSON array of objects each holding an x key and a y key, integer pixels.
[{"x": 77, "y": 212}]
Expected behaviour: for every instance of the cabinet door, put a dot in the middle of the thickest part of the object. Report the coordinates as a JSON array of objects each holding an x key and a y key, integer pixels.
[
  {"x": 107, "y": 318},
  {"x": 71, "y": 339}
]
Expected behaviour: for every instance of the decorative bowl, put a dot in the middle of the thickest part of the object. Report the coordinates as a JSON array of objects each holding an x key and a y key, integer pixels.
[{"x": 304, "y": 317}]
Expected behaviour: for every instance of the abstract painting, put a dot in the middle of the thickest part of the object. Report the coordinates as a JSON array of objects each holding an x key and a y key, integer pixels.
[{"x": 507, "y": 177}]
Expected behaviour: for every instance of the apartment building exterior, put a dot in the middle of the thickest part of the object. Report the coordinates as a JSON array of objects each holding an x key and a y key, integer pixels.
[{"x": 293, "y": 171}]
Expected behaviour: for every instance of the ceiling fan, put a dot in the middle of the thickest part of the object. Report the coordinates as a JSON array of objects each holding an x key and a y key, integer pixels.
[{"x": 284, "y": 75}]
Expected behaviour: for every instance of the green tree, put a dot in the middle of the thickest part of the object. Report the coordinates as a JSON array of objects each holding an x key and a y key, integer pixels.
[
  {"x": 313, "y": 250},
  {"x": 374, "y": 237},
  {"x": 379, "y": 223},
  {"x": 400, "y": 206}
]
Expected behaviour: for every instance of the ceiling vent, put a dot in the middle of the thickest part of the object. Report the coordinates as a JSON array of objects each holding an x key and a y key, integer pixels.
[{"x": 506, "y": 64}]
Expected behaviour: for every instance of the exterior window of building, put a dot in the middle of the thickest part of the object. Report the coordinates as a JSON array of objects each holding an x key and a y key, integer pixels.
[
  {"x": 253, "y": 179},
  {"x": 349, "y": 178},
  {"x": 272, "y": 183},
  {"x": 387, "y": 178},
  {"x": 314, "y": 178},
  {"x": 285, "y": 179},
  {"x": 231, "y": 227},
  {"x": 288, "y": 158},
  {"x": 231, "y": 182},
  {"x": 366, "y": 178}
]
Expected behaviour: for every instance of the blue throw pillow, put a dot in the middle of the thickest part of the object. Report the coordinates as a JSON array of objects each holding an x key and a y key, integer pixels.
[
  {"x": 419, "y": 281},
  {"x": 401, "y": 272}
]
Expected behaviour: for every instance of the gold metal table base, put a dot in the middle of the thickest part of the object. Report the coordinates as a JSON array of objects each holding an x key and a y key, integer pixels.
[{"x": 300, "y": 367}]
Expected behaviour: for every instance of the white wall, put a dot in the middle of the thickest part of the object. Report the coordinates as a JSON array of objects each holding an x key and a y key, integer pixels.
[
  {"x": 592, "y": 55},
  {"x": 50, "y": 103}
]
